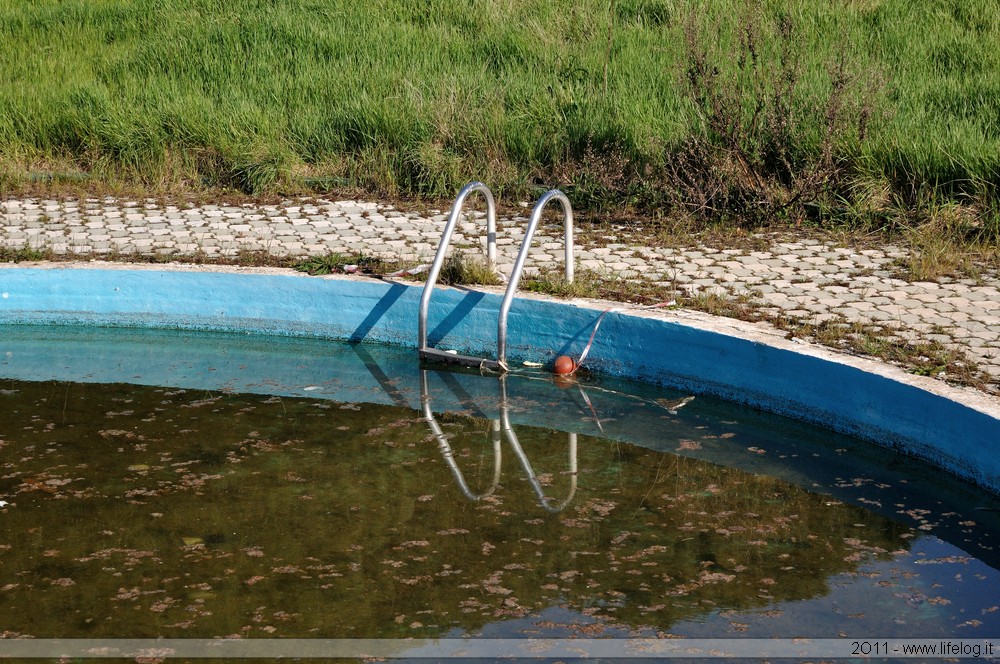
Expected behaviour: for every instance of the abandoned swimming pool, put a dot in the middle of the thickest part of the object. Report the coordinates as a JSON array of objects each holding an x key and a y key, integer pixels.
[
  {"x": 228, "y": 479},
  {"x": 201, "y": 484}
]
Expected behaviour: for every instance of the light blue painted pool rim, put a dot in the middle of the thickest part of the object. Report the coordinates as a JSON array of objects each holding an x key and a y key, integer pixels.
[{"x": 955, "y": 428}]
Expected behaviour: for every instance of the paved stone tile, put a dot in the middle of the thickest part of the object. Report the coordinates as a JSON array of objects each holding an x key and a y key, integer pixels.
[{"x": 804, "y": 278}]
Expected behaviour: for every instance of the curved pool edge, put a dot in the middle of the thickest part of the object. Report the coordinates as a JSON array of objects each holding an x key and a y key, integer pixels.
[{"x": 957, "y": 429}]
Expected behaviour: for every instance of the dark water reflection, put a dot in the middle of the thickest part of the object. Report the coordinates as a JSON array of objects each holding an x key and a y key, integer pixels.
[{"x": 147, "y": 511}]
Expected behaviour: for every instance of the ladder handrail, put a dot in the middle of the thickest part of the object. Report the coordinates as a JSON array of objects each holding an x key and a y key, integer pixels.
[
  {"x": 435, "y": 269},
  {"x": 522, "y": 256}
]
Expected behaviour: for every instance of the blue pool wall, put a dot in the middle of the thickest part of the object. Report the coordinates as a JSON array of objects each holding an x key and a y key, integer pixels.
[{"x": 958, "y": 430}]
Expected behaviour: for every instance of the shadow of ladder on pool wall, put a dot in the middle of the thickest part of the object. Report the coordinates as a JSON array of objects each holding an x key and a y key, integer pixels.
[{"x": 500, "y": 363}]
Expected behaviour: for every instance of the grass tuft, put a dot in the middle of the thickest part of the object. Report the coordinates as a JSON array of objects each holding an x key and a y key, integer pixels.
[
  {"x": 338, "y": 263},
  {"x": 24, "y": 254},
  {"x": 469, "y": 270}
]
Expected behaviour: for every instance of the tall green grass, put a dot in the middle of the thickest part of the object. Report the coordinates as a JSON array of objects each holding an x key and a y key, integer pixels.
[{"x": 419, "y": 96}]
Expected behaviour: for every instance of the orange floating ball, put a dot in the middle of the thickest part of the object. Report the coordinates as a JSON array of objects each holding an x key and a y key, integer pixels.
[{"x": 564, "y": 365}]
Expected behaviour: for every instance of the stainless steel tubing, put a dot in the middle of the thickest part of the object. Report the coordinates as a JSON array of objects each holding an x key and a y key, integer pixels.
[
  {"x": 442, "y": 250},
  {"x": 522, "y": 256}
]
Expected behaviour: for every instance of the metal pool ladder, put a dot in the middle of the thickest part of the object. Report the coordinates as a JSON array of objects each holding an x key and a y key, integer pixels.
[{"x": 500, "y": 363}]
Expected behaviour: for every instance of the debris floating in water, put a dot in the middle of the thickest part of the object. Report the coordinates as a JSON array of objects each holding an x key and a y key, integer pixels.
[{"x": 674, "y": 406}]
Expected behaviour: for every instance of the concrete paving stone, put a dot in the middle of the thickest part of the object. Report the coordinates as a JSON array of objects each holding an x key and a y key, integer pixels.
[
  {"x": 824, "y": 317},
  {"x": 774, "y": 299},
  {"x": 799, "y": 313},
  {"x": 830, "y": 301},
  {"x": 813, "y": 306},
  {"x": 982, "y": 292},
  {"x": 866, "y": 281},
  {"x": 845, "y": 310},
  {"x": 636, "y": 262},
  {"x": 939, "y": 321},
  {"x": 900, "y": 297},
  {"x": 926, "y": 297},
  {"x": 959, "y": 332},
  {"x": 977, "y": 345},
  {"x": 989, "y": 305},
  {"x": 957, "y": 316},
  {"x": 910, "y": 319},
  {"x": 939, "y": 306},
  {"x": 981, "y": 329},
  {"x": 882, "y": 315}
]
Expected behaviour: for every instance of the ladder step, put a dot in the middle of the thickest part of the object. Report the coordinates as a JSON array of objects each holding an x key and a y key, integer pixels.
[{"x": 435, "y": 355}]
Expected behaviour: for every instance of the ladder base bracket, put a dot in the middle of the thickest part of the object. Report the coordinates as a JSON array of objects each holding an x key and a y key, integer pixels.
[{"x": 435, "y": 355}]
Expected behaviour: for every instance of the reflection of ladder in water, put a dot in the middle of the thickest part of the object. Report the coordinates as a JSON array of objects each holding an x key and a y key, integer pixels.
[
  {"x": 497, "y": 427},
  {"x": 428, "y": 353}
]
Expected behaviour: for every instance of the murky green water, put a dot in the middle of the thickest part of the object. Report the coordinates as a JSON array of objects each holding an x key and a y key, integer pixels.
[{"x": 186, "y": 511}]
